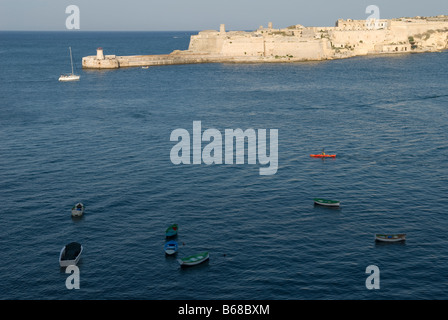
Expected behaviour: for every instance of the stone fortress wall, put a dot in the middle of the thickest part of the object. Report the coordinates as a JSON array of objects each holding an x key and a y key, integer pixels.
[{"x": 347, "y": 38}]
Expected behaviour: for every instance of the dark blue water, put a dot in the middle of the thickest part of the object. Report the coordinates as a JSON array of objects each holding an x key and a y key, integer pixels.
[{"x": 105, "y": 141}]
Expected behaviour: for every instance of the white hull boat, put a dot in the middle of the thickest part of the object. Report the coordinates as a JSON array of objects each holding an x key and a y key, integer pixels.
[
  {"x": 78, "y": 210},
  {"x": 72, "y": 76},
  {"x": 69, "y": 77},
  {"x": 70, "y": 254}
]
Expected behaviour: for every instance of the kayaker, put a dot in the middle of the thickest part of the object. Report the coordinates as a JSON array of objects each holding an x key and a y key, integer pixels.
[{"x": 323, "y": 152}]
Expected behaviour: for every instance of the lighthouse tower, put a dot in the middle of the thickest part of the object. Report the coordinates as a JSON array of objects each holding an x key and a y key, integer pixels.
[{"x": 99, "y": 54}]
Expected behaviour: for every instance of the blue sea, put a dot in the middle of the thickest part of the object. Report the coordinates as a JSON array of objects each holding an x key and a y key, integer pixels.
[{"x": 105, "y": 141}]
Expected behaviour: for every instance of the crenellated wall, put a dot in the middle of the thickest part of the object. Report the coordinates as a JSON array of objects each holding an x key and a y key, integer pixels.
[
  {"x": 297, "y": 43},
  {"x": 358, "y": 36}
]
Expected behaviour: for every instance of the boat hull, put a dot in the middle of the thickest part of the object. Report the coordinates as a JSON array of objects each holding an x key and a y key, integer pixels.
[
  {"x": 171, "y": 247},
  {"x": 171, "y": 231},
  {"x": 69, "y": 78},
  {"x": 390, "y": 237},
  {"x": 323, "y": 155},
  {"x": 327, "y": 203},
  {"x": 72, "y": 261},
  {"x": 77, "y": 211},
  {"x": 194, "y": 260}
]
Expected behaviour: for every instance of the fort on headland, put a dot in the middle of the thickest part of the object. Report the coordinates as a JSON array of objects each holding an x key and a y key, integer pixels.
[{"x": 348, "y": 38}]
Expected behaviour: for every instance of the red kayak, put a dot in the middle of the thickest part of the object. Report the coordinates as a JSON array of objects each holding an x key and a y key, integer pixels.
[{"x": 323, "y": 155}]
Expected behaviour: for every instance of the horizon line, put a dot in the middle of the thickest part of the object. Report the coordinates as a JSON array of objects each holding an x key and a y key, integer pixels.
[{"x": 47, "y": 30}]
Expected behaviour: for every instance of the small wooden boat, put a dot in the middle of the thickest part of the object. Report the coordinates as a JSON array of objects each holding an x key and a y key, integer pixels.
[
  {"x": 326, "y": 202},
  {"x": 194, "y": 259},
  {"x": 145, "y": 67},
  {"x": 171, "y": 231},
  {"x": 171, "y": 247},
  {"x": 390, "y": 237},
  {"x": 320, "y": 155},
  {"x": 78, "y": 210},
  {"x": 70, "y": 254}
]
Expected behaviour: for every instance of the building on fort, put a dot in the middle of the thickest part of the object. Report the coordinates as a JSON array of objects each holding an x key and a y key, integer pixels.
[{"x": 346, "y": 39}]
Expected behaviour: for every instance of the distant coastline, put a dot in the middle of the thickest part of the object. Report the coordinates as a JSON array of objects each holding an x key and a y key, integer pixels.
[{"x": 348, "y": 38}]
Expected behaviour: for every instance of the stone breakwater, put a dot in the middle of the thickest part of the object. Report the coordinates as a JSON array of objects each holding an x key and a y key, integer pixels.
[
  {"x": 347, "y": 39},
  {"x": 176, "y": 57}
]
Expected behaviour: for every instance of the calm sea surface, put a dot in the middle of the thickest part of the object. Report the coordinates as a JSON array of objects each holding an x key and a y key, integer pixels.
[{"x": 105, "y": 141}]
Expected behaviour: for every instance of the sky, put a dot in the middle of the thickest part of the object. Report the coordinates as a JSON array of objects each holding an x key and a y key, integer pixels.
[{"x": 196, "y": 15}]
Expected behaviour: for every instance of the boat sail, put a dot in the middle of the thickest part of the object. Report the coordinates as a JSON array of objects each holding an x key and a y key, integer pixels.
[{"x": 72, "y": 76}]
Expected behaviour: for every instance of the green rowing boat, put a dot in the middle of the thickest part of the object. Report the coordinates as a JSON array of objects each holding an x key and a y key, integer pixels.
[
  {"x": 326, "y": 202},
  {"x": 194, "y": 259},
  {"x": 171, "y": 231}
]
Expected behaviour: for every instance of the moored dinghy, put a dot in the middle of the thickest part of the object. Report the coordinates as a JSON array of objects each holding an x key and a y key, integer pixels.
[
  {"x": 78, "y": 210},
  {"x": 326, "y": 202},
  {"x": 70, "y": 254},
  {"x": 171, "y": 231},
  {"x": 171, "y": 247},
  {"x": 194, "y": 259},
  {"x": 394, "y": 237}
]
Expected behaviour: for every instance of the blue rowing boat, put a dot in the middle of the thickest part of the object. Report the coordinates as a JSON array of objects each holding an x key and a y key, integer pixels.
[{"x": 171, "y": 247}]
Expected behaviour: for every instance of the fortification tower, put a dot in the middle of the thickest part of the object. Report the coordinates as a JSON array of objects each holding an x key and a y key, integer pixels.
[
  {"x": 222, "y": 28},
  {"x": 99, "y": 54}
]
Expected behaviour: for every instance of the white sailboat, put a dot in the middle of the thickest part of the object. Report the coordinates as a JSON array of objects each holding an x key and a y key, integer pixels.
[{"x": 72, "y": 76}]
